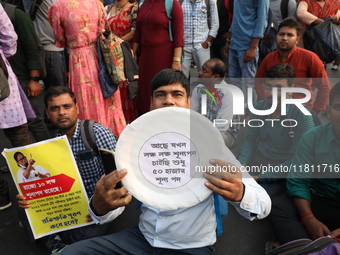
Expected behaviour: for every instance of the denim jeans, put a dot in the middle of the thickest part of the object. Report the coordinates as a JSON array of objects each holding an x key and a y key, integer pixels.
[
  {"x": 56, "y": 69},
  {"x": 199, "y": 56},
  {"x": 241, "y": 73},
  {"x": 128, "y": 241}
]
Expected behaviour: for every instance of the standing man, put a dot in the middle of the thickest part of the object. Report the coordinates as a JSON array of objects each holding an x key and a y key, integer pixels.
[
  {"x": 62, "y": 110},
  {"x": 182, "y": 231},
  {"x": 250, "y": 19},
  {"x": 200, "y": 28},
  {"x": 306, "y": 64}
]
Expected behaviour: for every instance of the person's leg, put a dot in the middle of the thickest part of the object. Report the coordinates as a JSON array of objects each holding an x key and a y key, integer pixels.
[
  {"x": 5, "y": 201},
  {"x": 285, "y": 220},
  {"x": 235, "y": 73},
  {"x": 249, "y": 70},
  {"x": 128, "y": 241},
  {"x": 56, "y": 69},
  {"x": 19, "y": 135},
  {"x": 36, "y": 125},
  {"x": 79, "y": 234},
  {"x": 200, "y": 57},
  {"x": 208, "y": 250},
  {"x": 186, "y": 62}
]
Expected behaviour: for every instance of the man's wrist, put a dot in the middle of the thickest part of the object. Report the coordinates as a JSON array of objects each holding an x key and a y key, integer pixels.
[{"x": 35, "y": 78}]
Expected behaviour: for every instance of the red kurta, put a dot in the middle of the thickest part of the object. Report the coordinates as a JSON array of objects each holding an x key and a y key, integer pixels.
[
  {"x": 306, "y": 64},
  {"x": 152, "y": 34}
]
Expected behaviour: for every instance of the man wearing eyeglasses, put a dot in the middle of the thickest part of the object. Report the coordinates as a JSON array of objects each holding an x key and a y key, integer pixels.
[{"x": 28, "y": 171}]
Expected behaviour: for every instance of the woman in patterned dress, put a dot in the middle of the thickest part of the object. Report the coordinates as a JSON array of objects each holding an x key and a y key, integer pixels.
[
  {"x": 77, "y": 24},
  {"x": 121, "y": 18}
]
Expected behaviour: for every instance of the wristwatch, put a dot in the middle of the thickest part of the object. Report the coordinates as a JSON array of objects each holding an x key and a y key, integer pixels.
[{"x": 35, "y": 78}]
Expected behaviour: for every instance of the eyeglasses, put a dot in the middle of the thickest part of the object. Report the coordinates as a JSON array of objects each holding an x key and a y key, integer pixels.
[{"x": 22, "y": 158}]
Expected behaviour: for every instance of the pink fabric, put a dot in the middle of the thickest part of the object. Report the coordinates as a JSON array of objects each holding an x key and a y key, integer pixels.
[
  {"x": 12, "y": 113},
  {"x": 76, "y": 24}
]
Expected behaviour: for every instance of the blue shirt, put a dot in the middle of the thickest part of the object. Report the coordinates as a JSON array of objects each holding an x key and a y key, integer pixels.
[
  {"x": 196, "y": 25},
  {"x": 91, "y": 170},
  {"x": 250, "y": 18}
]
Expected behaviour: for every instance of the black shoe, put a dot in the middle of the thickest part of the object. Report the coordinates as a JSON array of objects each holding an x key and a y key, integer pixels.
[{"x": 4, "y": 202}]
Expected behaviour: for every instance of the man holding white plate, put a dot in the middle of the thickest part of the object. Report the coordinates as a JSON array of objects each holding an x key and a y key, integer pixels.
[{"x": 186, "y": 230}]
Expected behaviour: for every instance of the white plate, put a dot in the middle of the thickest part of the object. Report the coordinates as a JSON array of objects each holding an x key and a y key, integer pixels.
[{"x": 164, "y": 152}]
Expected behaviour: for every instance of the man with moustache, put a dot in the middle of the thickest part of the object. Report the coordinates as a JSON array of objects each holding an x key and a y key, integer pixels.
[
  {"x": 219, "y": 102},
  {"x": 306, "y": 64},
  {"x": 62, "y": 110},
  {"x": 272, "y": 144},
  {"x": 182, "y": 231}
]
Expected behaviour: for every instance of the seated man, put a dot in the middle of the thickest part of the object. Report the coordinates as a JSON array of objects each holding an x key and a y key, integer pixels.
[
  {"x": 186, "y": 230},
  {"x": 272, "y": 144},
  {"x": 62, "y": 110},
  {"x": 220, "y": 105},
  {"x": 312, "y": 207}
]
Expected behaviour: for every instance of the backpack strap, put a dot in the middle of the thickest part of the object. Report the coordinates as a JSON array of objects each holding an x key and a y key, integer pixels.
[
  {"x": 168, "y": 9},
  {"x": 87, "y": 135},
  {"x": 284, "y": 8},
  {"x": 35, "y": 9}
]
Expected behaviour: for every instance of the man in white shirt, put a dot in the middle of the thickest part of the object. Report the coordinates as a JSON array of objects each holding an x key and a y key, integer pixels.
[
  {"x": 186, "y": 230},
  {"x": 219, "y": 101}
]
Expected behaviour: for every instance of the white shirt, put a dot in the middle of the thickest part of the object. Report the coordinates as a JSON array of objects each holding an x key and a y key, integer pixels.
[
  {"x": 33, "y": 174},
  {"x": 195, "y": 226}
]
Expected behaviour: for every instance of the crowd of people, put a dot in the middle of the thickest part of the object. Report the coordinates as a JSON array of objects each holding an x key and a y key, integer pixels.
[{"x": 166, "y": 37}]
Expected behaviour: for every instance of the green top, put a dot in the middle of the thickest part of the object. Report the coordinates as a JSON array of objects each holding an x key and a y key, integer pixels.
[
  {"x": 272, "y": 140},
  {"x": 27, "y": 55},
  {"x": 318, "y": 151}
]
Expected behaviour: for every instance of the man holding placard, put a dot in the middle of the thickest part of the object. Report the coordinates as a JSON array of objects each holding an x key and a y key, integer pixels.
[
  {"x": 62, "y": 110},
  {"x": 189, "y": 230}
]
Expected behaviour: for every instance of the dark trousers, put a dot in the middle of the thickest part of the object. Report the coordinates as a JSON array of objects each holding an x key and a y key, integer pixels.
[
  {"x": 285, "y": 218},
  {"x": 19, "y": 135},
  {"x": 273, "y": 188},
  {"x": 36, "y": 125}
]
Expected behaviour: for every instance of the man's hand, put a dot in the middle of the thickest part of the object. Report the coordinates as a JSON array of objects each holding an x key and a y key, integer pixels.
[
  {"x": 315, "y": 228},
  {"x": 226, "y": 48},
  {"x": 106, "y": 198},
  {"x": 22, "y": 203},
  {"x": 249, "y": 55},
  {"x": 34, "y": 88},
  {"x": 226, "y": 180},
  {"x": 335, "y": 233}
]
